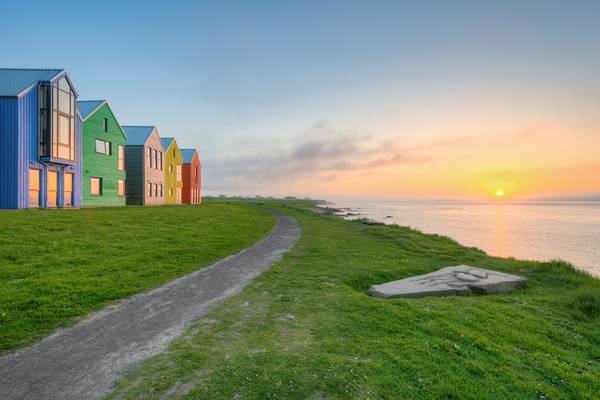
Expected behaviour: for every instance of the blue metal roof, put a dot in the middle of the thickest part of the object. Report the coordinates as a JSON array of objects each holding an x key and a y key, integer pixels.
[
  {"x": 14, "y": 81},
  {"x": 137, "y": 135},
  {"x": 166, "y": 142},
  {"x": 188, "y": 155},
  {"x": 87, "y": 107}
]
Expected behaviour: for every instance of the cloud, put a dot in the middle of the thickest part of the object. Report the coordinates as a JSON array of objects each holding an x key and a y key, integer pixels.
[{"x": 319, "y": 153}]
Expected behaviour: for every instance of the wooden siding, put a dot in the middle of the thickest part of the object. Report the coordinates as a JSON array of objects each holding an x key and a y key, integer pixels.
[
  {"x": 190, "y": 183},
  {"x": 151, "y": 174},
  {"x": 173, "y": 158},
  {"x": 102, "y": 165},
  {"x": 9, "y": 153}
]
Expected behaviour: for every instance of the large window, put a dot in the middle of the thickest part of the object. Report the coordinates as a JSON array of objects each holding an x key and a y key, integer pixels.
[
  {"x": 34, "y": 188},
  {"x": 161, "y": 160},
  {"x": 149, "y": 157},
  {"x": 96, "y": 186},
  {"x": 52, "y": 185},
  {"x": 68, "y": 190},
  {"x": 57, "y": 121},
  {"x": 155, "y": 157},
  {"x": 121, "y": 187},
  {"x": 178, "y": 173},
  {"x": 149, "y": 190},
  {"x": 102, "y": 147},
  {"x": 121, "y": 158}
]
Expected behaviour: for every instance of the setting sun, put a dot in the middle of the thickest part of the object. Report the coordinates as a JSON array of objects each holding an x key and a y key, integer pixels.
[{"x": 499, "y": 193}]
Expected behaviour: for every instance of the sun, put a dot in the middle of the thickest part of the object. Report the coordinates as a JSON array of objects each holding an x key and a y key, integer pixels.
[{"x": 499, "y": 193}]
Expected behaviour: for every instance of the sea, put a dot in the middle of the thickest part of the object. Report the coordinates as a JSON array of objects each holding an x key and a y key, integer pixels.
[{"x": 536, "y": 230}]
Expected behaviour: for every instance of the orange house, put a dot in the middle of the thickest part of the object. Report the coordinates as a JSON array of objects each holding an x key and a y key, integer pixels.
[{"x": 190, "y": 174}]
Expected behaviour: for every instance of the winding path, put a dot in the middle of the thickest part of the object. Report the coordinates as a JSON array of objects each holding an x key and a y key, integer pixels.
[{"x": 84, "y": 361}]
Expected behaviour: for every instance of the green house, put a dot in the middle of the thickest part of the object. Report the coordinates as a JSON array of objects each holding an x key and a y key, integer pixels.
[{"x": 103, "y": 178}]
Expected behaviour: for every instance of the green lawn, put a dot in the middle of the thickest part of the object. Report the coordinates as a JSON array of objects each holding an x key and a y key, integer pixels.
[
  {"x": 59, "y": 264},
  {"x": 307, "y": 328}
]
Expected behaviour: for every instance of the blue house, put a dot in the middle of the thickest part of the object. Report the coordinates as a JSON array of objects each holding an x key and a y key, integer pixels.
[{"x": 40, "y": 139}]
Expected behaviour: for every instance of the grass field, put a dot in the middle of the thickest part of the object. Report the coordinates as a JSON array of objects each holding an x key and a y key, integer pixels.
[
  {"x": 308, "y": 329},
  {"x": 59, "y": 264}
]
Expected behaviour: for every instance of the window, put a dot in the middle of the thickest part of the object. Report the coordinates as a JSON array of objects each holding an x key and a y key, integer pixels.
[
  {"x": 170, "y": 168},
  {"x": 161, "y": 164},
  {"x": 178, "y": 199},
  {"x": 170, "y": 192},
  {"x": 121, "y": 158},
  {"x": 178, "y": 173},
  {"x": 34, "y": 188},
  {"x": 68, "y": 190},
  {"x": 161, "y": 190},
  {"x": 121, "y": 187},
  {"x": 155, "y": 190},
  {"x": 149, "y": 157},
  {"x": 155, "y": 157},
  {"x": 57, "y": 121},
  {"x": 149, "y": 190},
  {"x": 105, "y": 124},
  {"x": 196, "y": 173},
  {"x": 96, "y": 186},
  {"x": 102, "y": 147},
  {"x": 52, "y": 185}
]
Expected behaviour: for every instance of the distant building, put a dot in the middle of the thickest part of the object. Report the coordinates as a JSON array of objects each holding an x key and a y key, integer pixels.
[
  {"x": 104, "y": 141},
  {"x": 144, "y": 159},
  {"x": 173, "y": 167},
  {"x": 40, "y": 139},
  {"x": 192, "y": 177}
]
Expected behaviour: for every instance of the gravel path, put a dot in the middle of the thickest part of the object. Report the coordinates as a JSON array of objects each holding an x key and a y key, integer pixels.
[{"x": 84, "y": 361}]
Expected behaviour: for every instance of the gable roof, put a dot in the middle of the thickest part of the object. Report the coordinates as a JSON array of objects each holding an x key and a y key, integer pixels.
[
  {"x": 166, "y": 142},
  {"x": 14, "y": 81},
  {"x": 188, "y": 155},
  {"x": 87, "y": 107},
  {"x": 137, "y": 135}
]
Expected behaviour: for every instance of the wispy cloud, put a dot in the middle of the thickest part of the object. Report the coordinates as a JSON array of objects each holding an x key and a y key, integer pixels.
[{"x": 321, "y": 153}]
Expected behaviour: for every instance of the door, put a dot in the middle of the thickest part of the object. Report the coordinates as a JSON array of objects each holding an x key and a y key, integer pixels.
[
  {"x": 52, "y": 185},
  {"x": 68, "y": 191}
]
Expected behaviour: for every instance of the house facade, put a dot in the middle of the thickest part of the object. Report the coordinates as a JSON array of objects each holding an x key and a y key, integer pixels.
[
  {"x": 103, "y": 164},
  {"x": 144, "y": 162},
  {"x": 173, "y": 170},
  {"x": 192, "y": 179},
  {"x": 40, "y": 139}
]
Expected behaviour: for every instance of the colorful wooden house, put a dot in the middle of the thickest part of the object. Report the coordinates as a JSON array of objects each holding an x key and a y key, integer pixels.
[
  {"x": 173, "y": 164},
  {"x": 191, "y": 193},
  {"x": 103, "y": 176},
  {"x": 40, "y": 139},
  {"x": 144, "y": 159}
]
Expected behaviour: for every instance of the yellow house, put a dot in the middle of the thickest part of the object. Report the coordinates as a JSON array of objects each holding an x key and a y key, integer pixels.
[{"x": 173, "y": 164}]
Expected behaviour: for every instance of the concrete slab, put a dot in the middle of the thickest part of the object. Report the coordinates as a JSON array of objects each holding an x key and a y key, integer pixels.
[{"x": 450, "y": 281}]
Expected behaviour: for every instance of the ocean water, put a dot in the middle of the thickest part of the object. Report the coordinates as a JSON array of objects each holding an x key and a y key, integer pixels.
[{"x": 568, "y": 231}]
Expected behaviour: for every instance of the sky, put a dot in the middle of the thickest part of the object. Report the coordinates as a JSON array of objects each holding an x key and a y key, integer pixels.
[{"x": 342, "y": 99}]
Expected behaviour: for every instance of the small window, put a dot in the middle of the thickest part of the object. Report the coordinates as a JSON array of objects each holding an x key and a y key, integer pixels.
[
  {"x": 155, "y": 190},
  {"x": 155, "y": 159},
  {"x": 96, "y": 186},
  {"x": 149, "y": 190},
  {"x": 149, "y": 157},
  {"x": 34, "y": 188},
  {"x": 105, "y": 124},
  {"x": 170, "y": 192},
  {"x": 121, "y": 187},
  {"x": 102, "y": 147},
  {"x": 178, "y": 173},
  {"x": 161, "y": 163},
  {"x": 170, "y": 168},
  {"x": 161, "y": 190},
  {"x": 121, "y": 165}
]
